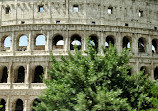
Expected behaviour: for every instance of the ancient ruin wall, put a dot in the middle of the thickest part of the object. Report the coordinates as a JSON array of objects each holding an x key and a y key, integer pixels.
[{"x": 123, "y": 11}]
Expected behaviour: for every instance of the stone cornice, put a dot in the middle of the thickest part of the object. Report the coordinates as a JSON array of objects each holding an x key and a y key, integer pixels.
[{"x": 76, "y": 27}]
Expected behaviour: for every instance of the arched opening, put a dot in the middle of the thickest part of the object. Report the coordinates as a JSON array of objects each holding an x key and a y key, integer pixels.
[
  {"x": 144, "y": 69},
  {"x": 58, "y": 42},
  {"x": 37, "y": 74},
  {"x": 19, "y": 105},
  {"x": 6, "y": 43},
  {"x": 129, "y": 71},
  {"x": 156, "y": 73},
  {"x": 40, "y": 42},
  {"x": 75, "y": 41},
  {"x": 141, "y": 45},
  {"x": 21, "y": 75},
  {"x": 4, "y": 75},
  {"x": 35, "y": 102},
  {"x": 94, "y": 41},
  {"x": 126, "y": 43},
  {"x": 3, "y": 103},
  {"x": 109, "y": 40},
  {"x": 154, "y": 46},
  {"x": 22, "y": 46}
]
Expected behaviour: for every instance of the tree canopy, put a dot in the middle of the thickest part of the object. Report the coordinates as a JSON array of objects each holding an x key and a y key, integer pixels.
[{"x": 92, "y": 82}]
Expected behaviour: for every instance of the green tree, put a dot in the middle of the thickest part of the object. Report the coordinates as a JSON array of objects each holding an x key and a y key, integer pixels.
[{"x": 92, "y": 82}]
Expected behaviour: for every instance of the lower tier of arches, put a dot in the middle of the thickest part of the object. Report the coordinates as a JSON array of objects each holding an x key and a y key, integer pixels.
[
  {"x": 19, "y": 100},
  {"x": 18, "y": 72}
]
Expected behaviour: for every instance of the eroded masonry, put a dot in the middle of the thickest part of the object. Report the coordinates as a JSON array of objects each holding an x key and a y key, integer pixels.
[{"x": 31, "y": 29}]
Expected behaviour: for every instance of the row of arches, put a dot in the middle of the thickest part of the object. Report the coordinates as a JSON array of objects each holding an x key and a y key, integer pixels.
[
  {"x": 58, "y": 42},
  {"x": 19, "y": 75},
  {"x": 18, "y": 105},
  {"x": 145, "y": 71},
  {"x": 22, "y": 43},
  {"x": 40, "y": 41}
]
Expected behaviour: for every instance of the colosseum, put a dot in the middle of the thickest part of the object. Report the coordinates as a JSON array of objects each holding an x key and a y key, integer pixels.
[{"x": 31, "y": 29}]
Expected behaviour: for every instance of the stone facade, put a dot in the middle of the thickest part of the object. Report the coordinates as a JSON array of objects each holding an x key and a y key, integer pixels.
[{"x": 125, "y": 23}]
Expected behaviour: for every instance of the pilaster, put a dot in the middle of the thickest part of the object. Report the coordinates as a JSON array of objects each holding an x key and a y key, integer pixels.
[
  {"x": 137, "y": 66},
  {"x": 84, "y": 41},
  {"x": 67, "y": 42},
  {"x": 25, "y": 104},
  {"x": 135, "y": 44},
  {"x": 47, "y": 45},
  {"x": 118, "y": 42},
  {"x": 27, "y": 74},
  {"x": 10, "y": 73},
  {"x": 29, "y": 42},
  {"x": 101, "y": 42},
  {"x": 12, "y": 48},
  {"x": 149, "y": 45},
  {"x": 152, "y": 71},
  {"x": 46, "y": 72},
  {"x": 8, "y": 106}
]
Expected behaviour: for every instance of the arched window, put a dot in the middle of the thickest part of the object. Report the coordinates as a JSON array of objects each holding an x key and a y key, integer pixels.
[
  {"x": 40, "y": 42},
  {"x": 109, "y": 40},
  {"x": 21, "y": 75},
  {"x": 156, "y": 73},
  {"x": 6, "y": 43},
  {"x": 37, "y": 74},
  {"x": 75, "y": 41},
  {"x": 94, "y": 41},
  {"x": 126, "y": 42},
  {"x": 141, "y": 45},
  {"x": 143, "y": 68},
  {"x": 3, "y": 103},
  {"x": 19, "y": 105},
  {"x": 22, "y": 46},
  {"x": 58, "y": 42},
  {"x": 4, "y": 75},
  {"x": 154, "y": 46},
  {"x": 35, "y": 102}
]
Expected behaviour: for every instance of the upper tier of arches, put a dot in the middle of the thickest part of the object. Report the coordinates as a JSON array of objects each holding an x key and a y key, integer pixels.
[{"x": 59, "y": 42}]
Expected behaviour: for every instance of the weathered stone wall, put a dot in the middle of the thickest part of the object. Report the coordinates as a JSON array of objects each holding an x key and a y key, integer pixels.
[
  {"x": 123, "y": 11},
  {"x": 131, "y": 19}
]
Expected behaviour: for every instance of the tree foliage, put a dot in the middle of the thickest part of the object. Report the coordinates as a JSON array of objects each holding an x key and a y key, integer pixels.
[{"x": 92, "y": 82}]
